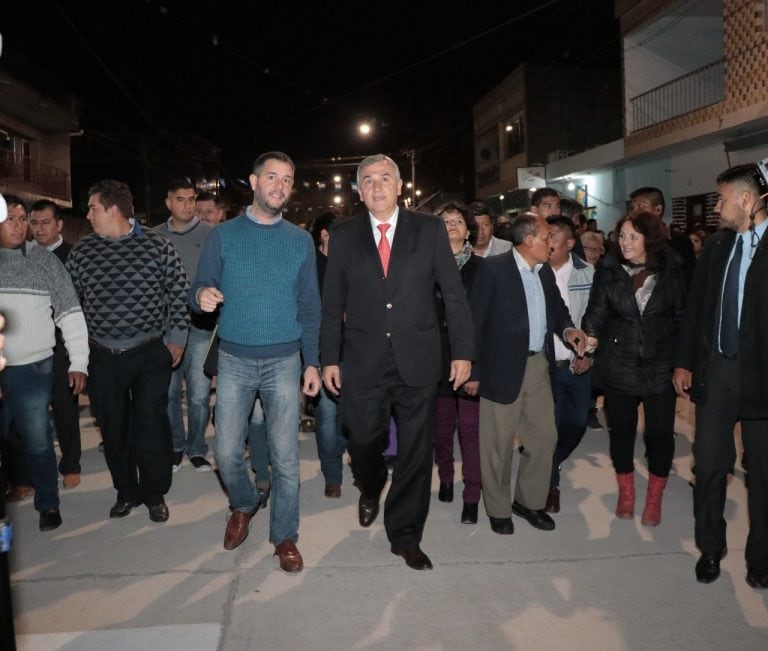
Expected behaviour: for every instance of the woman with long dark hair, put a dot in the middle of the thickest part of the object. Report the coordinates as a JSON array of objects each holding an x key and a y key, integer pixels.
[{"x": 634, "y": 315}]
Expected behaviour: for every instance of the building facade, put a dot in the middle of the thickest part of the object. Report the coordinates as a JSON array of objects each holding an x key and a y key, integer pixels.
[{"x": 34, "y": 144}]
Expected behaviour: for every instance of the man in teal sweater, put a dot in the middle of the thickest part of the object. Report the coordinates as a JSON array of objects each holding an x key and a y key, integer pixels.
[{"x": 258, "y": 270}]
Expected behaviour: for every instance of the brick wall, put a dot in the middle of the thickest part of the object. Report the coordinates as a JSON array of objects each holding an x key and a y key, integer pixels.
[{"x": 678, "y": 211}]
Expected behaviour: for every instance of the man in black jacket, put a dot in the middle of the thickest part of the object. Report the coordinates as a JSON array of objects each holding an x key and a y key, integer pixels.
[
  {"x": 722, "y": 365},
  {"x": 47, "y": 224},
  {"x": 379, "y": 285},
  {"x": 516, "y": 310}
]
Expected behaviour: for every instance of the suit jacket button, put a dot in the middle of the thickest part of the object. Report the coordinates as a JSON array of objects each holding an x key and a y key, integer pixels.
[{"x": 389, "y": 306}]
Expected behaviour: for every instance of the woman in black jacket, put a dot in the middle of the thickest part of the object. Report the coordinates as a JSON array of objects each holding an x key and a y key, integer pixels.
[
  {"x": 455, "y": 410},
  {"x": 634, "y": 314}
]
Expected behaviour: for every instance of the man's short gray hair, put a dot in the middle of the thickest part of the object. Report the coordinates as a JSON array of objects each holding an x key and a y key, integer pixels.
[
  {"x": 372, "y": 160},
  {"x": 525, "y": 225}
]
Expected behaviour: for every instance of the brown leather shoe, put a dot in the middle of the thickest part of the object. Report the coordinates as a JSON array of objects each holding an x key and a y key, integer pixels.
[
  {"x": 367, "y": 510},
  {"x": 332, "y": 490},
  {"x": 71, "y": 480},
  {"x": 237, "y": 528},
  {"x": 18, "y": 493},
  {"x": 290, "y": 559},
  {"x": 553, "y": 500}
]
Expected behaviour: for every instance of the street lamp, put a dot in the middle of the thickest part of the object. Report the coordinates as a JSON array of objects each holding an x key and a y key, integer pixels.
[{"x": 364, "y": 128}]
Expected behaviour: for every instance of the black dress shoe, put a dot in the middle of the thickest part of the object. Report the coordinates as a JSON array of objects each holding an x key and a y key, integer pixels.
[
  {"x": 49, "y": 519},
  {"x": 121, "y": 509},
  {"x": 503, "y": 526},
  {"x": 469, "y": 513},
  {"x": 414, "y": 557},
  {"x": 367, "y": 510},
  {"x": 707, "y": 568},
  {"x": 757, "y": 578},
  {"x": 538, "y": 519},
  {"x": 445, "y": 494},
  {"x": 158, "y": 512}
]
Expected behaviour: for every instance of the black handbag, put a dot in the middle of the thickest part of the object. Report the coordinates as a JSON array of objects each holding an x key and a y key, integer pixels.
[{"x": 211, "y": 363}]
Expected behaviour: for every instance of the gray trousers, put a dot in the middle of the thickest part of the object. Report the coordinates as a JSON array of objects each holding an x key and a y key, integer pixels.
[{"x": 532, "y": 417}]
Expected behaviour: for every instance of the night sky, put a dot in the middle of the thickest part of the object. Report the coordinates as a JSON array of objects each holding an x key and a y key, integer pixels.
[{"x": 203, "y": 85}]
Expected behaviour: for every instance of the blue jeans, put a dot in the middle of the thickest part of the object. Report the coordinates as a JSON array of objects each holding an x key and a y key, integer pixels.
[
  {"x": 276, "y": 380},
  {"x": 257, "y": 444},
  {"x": 572, "y": 395},
  {"x": 26, "y": 395},
  {"x": 198, "y": 398},
  {"x": 330, "y": 441}
]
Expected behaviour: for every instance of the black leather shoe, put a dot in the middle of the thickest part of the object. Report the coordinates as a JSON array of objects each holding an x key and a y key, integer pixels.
[
  {"x": 539, "y": 519},
  {"x": 445, "y": 494},
  {"x": 367, "y": 510},
  {"x": 757, "y": 578},
  {"x": 707, "y": 568},
  {"x": 158, "y": 512},
  {"x": 469, "y": 513},
  {"x": 121, "y": 509},
  {"x": 503, "y": 526},
  {"x": 414, "y": 557},
  {"x": 50, "y": 519}
]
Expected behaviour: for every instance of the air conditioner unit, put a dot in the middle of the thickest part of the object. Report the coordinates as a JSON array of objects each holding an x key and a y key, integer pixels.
[{"x": 558, "y": 154}]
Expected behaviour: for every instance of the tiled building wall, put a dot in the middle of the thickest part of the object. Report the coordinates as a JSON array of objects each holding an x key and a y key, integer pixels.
[
  {"x": 678, "y": 211},
  {"x": 746, "y": 53}
]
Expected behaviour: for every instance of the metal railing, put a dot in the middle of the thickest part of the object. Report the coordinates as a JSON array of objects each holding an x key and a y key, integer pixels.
[
  {"x": 22, "y": 174},
  {"x": 699, "y": 88}
]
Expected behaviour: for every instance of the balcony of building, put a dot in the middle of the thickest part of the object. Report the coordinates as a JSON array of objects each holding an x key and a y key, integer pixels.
[
  {"x": 23, "y": 175},
  {"x": 674, "y": 64},
  {"x": 692, "y": 91}
]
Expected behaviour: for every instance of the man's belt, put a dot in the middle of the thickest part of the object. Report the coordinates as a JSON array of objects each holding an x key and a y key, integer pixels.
[{"x": 119, "y": 351}]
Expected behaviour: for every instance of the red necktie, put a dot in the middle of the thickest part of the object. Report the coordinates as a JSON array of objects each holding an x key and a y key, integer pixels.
[{"x": 384, "y": 249}]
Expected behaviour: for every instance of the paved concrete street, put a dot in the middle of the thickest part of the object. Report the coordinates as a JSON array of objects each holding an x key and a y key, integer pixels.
[{"x": 594, "y": 583}]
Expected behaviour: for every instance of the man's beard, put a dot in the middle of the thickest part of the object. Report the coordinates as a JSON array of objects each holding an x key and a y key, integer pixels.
[{"x": 261, "y": 202}]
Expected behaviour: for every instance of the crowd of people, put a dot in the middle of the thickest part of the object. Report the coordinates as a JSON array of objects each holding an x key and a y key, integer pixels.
[{"x": 500, "y": 330}]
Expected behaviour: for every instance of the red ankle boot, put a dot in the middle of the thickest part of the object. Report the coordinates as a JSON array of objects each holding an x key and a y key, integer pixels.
[
  {"x": 652, "y": 511},
  {"x": 625, "y": 508}
]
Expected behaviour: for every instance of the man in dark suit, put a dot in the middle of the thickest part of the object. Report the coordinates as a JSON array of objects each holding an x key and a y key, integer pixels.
[
  {"x": 723, "y": 366},
  {"x": 380, "y": 336},
  {"x": 516, "y": 309},
  {"x": 46, "y": 224}
]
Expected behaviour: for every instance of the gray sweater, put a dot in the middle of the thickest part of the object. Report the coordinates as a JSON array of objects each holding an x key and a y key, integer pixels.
[
  {"x": 34, "y": 283},
  {"x": 189, "y": 245}
]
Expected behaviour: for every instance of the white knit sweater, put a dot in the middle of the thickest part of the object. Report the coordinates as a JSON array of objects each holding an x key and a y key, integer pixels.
[{"x": 36, "y": 292}]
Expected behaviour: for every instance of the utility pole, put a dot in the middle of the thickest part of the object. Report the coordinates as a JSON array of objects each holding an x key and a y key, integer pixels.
[
  {"x": 411, "y": 153},
  {"x": 145, "y": 161}
]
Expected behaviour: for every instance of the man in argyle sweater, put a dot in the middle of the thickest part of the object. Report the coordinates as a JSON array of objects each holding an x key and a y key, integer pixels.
[{"x": 132, "y": 287}]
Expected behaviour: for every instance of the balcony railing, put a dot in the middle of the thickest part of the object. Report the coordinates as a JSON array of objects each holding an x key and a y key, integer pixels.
[
  {"x": 699, "y": 88},
  {"x": 22, "y": 174}
]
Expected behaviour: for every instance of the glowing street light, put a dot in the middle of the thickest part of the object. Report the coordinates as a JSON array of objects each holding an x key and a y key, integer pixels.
[
  {"x": 364, "y": 128},
  {"x": 337, "y": 179},
  {"x": 337, "y": 200}
]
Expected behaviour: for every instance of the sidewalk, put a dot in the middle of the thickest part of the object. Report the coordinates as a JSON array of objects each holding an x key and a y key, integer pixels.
[{"x": 594, "y": 583}]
